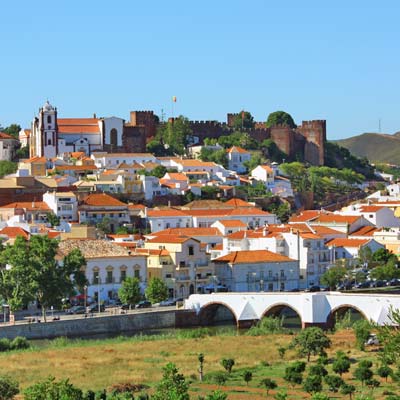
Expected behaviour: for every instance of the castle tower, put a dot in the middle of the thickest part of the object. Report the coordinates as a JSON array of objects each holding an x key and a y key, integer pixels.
[{"x": 44, "y": 133}]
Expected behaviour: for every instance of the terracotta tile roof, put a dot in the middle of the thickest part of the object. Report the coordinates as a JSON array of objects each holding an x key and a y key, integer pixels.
[
  {"x": 232, "y": 223},
  {"x": 4, "y": 135},
  {"x": 176, "y": 176},
  {"x": 310, "y": 235},
  {"x": 235, "y": 202},
  {"x": 77, "y": 121},
  {"x": 239, "y": 235},
  {"x": 77, "y": 154},
  {"x": 92, "y": 248},
  {"x": 152, "y": 252},
  {"x": 253, "y": 257},
  {"x": 218, "y": 246},
  {"x": 237, "y": 149},
  {"x": 75, "y": 167},
  {"x": 267, "y": 168},
  {"x": 206, "y": 205},
  {"x": 165, "y": 212},
  {"x": 136, "y": 206},
  {"x": 190, "y": 232},
  {"x": 365, "y": 231},
  {"x": 150, "y": 165},
  {"x": 195, "y": 163},
  {"x": 169, "y": 239},
  {"x": 77, "y": 129},
  {"x": 30, "y": 206},
  {"x": 347, "y": 242},
  {"x": 125, "y": 236},
  {"x": 103, "y": 199},
  {"x": 126, "y": 155},
  {"x": 305, "y": 216},
  {"x": 36, "y": 160},
  {"x": 325, "y": 230},
  {"x": 370, "y": 209},
  {"x": 53, "y": 234},
  {"x": 13, "y": 232},
  {"x": 337, "y": 218}
]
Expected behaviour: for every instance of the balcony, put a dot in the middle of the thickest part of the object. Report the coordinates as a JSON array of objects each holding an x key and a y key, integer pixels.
[{"x": 110, "y": 280}]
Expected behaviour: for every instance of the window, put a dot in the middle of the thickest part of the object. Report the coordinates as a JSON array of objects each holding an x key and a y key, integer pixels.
[
  {"x": 191, "y": 250},
  {"x": 114, "y": 137},
  {"x": 137, "y": 273},
  {"x": 96, "y": 279},
  {"x": 49, "y": 119},
  {"x": 49, "y": 142},
  {"x": 123, "y": 275},
  {"x": 110, "y": 277}
]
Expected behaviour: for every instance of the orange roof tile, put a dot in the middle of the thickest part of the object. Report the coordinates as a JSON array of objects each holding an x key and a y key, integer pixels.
[
  {"x": 232, "y": 223},
  {"x": 4, "y": 135},
  {"x": 235, "y": 202},
  {"x": 30, "y": 206},
  {"x": 267, "y": 168},
  {"x": 337, "y": 218},
  {"x": 305, "y": 216},
  {"x": 136, "y": 206},
  {"x": 102, "y": 199},
  {"x": 75, "y": 167},
  {"x": 236, "y": 149},
  {"x": 190, "y": 232},
  {"x": 370, "y": 209},
  {"x": 169, "y": 239},
  {"x": 176, "y": 176},
  {"x": 77, "y": 121},
  {"x": 344, "y": 242},
  {"x": 253, "y": 257},
  {"x": 365, "y": 231},
  {"x": 13, "y": 232},
  {"x": 195, "y": 163}
]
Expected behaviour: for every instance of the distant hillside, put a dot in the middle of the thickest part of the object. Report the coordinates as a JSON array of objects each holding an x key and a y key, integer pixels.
[{"x": 377, "y": 147}]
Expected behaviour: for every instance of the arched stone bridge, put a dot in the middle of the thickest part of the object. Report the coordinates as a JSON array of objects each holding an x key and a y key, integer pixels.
[{"x": 313, "y": 309}]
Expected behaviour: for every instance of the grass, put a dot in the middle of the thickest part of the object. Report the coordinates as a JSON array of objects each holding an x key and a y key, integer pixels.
[{"x": 100, "y": 363}]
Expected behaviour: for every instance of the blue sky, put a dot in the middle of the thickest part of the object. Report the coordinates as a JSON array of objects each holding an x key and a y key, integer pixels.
[{"x": 337, "y": 61}]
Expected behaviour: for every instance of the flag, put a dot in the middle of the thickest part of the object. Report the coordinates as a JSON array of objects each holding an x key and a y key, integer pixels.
[{"x": 174, "y": 99}]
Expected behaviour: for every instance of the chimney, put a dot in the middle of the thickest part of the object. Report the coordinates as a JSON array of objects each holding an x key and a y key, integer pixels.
[{"x": 94, "y": 115}]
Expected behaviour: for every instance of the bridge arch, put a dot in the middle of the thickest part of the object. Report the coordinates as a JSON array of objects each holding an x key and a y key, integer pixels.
[
  {"x": 341, "y": 310},
  {"x": 208, "y": 313},
  {"x": 279, "y": 309}
]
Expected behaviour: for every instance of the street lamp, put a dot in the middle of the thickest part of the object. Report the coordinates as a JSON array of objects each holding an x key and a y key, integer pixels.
[{"x": 84, "y": 296}]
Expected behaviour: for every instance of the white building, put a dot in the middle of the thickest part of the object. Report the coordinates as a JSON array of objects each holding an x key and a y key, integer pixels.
[
  {"x": 8, "y": 147},
  {"x": 257, "y": 271},
  {"x": 52, "y": 136},
  {"x": 63, "y": 204},
  {"x": 264, "y": 173},
  {"x": 107, "y": 266},
  {"x": 105, "y": 160},
  {"x": 236, "y": 159}
]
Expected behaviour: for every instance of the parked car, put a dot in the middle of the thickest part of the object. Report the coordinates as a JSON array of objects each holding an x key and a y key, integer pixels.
[
  {"x": 393, "y": 282},
  {"x": 126, "y": 307},
  {"x": 362, "y": 285},
  {"x": 76, "y": 310},
  {"x": 345, "y": 286},
  {"x": 378, "y": 284},
  {"x": 168, "y": 303},
  {"x": 313, "y": 288},
  {"x": 143, "y": 304},
  {"x": 95, "y": 308}
]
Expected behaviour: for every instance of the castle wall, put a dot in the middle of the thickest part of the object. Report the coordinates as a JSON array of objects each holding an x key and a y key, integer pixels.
[
  {"x": 134, "y": 139},
  {"x": 145, "y": 119}
]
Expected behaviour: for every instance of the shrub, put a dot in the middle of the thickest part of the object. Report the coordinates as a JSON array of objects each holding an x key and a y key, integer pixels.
[
  {"x": 228, "y": 364},
  {"x": 220, "y": 378},
  {"x": 20, "y": 343},
  {"x": 312, "y": 384},
  {"x": 334, "y": 382},
  {"x": 247, "y": 376},
  {"x": 317, "y": 369},
  {"x": 362, "y": 330},
  {"x": 50, "y": 389},
  {"x": 5, "y": 344},
  {"x": 265, "y": 326},
  {"x": 384, "y": 371},
  {"x": 126, "y": 387},
  {"x": 8, "y": 387}
]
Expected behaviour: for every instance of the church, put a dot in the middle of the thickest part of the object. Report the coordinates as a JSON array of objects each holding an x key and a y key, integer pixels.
[{"x": 52, "y": 136}]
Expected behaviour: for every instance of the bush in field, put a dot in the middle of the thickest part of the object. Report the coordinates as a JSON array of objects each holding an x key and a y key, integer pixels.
[
  {"x": 19, "y": 343},
  {"x": 8, "y": 388},
  {"x": 51, "y": 389},
  {"x": 228, "y": 364},
  {"x": 5, "y": 344}
]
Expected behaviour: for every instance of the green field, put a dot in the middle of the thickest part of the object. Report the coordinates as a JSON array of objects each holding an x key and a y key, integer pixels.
[{"x": 98, "y": 364}]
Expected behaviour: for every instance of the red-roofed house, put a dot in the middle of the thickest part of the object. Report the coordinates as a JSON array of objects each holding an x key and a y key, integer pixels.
[
  {"x": 98, "y": 206},
  {"x": 257, "y": 270},
  {"x": 381, "y": 217},
  {"x": 265, "y": 174},
  {"x": 349, "y": 249},
  {"x": 236, "y": 159},
  {"x": 10, "y": 234},
  {"x": 229, "y": 226},
  {"x": 8, "y": 146},
  {"x": 344, "y": 223}
]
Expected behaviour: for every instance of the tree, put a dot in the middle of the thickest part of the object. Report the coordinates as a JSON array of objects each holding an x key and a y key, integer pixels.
[
  {"x": 271, "y": 151},
  {"x": 43, "y": 277},
  {"x": 51, "y": 389},
  {"x": 156, "y": 290},
  {"x": 242, "y": 120},
  {"x": 220, "y": 378},
  {"x": 383, "y": 255},
  {"x": 13, "y": 130},
  {"x": 333, "y": 276},
  {"x": 129, "y": 292},
  {"x": 317, "y": 369},
  {"x": 52, "y": 219},
  {"x": 23, "y": 152},
  {"x": 311, "y": 341},
  {"x": 363, "y": 372},
  {"x": 348, "y": 389},
  {"x": 362, "y": 330},
  {"x": 254, "y": 161},
  {"x": 200, "y": 357},
  {"x": 334, "y": 382},
  {"x": 159, "y": 171},
  {"x": 282, "y": 351},
  {"x": 7, "y": 167},
  {"x": 384, "y": 371},
  {"x": 218, "y": 156},
  {"x": 157, "y": 148},
  {"x": 312, "y": 384},
  {"x": 280, "y": 118},
  {"x": 292, "y": 376},
  {"x": 269, "y": 384},
  {"x": 228, "y": 364},
  {"x": 174, "y": 135},
  {"x": 247, "y": 376},
  {"x": 172, "y": 385},
  {"x": 9, "y": 388},
  {"x": 104, "y": 226},
  {"x": 341, "y": 363}
]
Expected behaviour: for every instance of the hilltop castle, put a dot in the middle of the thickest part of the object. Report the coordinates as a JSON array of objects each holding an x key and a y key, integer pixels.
[{"x": 52, "y": 135}]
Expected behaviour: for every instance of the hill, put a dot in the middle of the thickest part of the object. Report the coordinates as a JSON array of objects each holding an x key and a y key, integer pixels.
[{"x": 377, "y": 147}]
